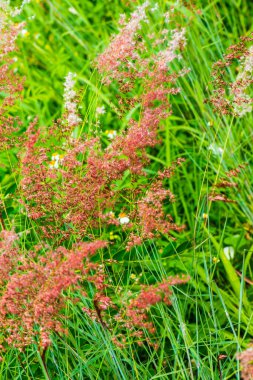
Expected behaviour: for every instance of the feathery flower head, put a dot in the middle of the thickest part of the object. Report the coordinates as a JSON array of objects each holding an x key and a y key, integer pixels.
[
  {"x": 246, "y": 362},
  {"x": 231, "y": 97},
  {"x": 123, "y": 45},
  {"x": 70, "y": 103},
  {"x": 33, "y": 285}
]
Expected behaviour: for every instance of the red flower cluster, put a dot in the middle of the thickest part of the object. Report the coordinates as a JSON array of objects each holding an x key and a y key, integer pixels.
[
  {"x": 151, "y": 218},
  {"x": 123, "y": 45},
  {"x": 231, "y": 97},
  {"x": 69, "y": 185},
  {"x": 73, "y": 196},
  {"x": 135, "y": 314},
  {"x": 10, "y": 84},
  {"x": 32, "y": 288},
  {"x": 246, "y": 361},
  {"x": 225, "y": 183}
]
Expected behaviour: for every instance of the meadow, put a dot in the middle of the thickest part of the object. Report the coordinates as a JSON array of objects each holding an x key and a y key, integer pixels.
[{"x": 126, "y": 186}]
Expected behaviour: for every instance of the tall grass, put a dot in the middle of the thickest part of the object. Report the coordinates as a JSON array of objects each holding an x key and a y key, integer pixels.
[{"x": 210, "y": 319}]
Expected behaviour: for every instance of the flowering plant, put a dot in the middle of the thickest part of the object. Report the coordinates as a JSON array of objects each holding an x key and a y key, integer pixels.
[{"x": 71, "y": 189}]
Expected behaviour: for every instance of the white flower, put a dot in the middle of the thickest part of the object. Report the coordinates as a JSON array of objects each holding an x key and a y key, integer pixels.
[
  {"x": 54, "y": 165},
  {"x": 111, "y": 134},
  {"x": 123, "y": 218},
  {"x": 216, "y": 150},
  {"x": 229, "y": 252},
  {"x": 56, "y": 159}
]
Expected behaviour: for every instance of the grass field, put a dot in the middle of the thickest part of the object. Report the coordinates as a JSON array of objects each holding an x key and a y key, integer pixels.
[{"x": 209, "y": 321}]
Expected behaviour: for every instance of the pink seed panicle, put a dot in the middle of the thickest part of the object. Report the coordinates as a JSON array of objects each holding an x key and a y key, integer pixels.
[{"x": 69, "y": 187}]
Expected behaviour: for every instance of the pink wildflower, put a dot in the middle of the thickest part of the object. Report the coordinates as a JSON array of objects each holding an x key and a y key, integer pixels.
[
  {"x": 246, "y": 361},
  {"x": 32, "y": 289}
]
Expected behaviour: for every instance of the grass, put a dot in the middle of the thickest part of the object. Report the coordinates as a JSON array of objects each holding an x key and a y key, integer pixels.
[{"x": 212, "y": 315}]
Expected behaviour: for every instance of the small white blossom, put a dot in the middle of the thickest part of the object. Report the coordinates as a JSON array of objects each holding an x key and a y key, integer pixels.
[
  {"x": 56, "y": 160},
  {"x": 123, "y": 218},
  {"x": 229, "y": 252},
  {"x": 216, "y": 150},
  {"x": 111, "y": 134},
  {"x": 54, "y": 165}
]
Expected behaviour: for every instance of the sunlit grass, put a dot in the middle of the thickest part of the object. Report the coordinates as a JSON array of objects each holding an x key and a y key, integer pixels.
[{"x": 210, "y": 316}]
